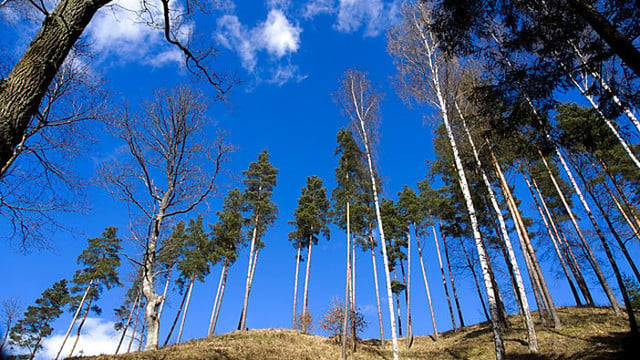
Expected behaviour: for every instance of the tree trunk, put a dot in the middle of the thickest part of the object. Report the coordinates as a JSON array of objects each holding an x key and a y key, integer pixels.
[
  {"x": 175, "y": 319},
  {"x": 375, "y": 280},
  {"x": 135, "y": 326},
  {"x": 426, "y": 286},
  {"x": 618, "y": 43},
  {"x": 398, "y": 307},
  {"x": 186, "y": 308},
  {"x": 621, "y": 209},
  {"x": 502, "y": 310},
  {"x": 164, "y": 292},
  {"x": 295, "y": 290},
  {"x": 219, "y": 304},
  {"x": 243, "y": 315},
  {"x": 408, "y": 291},
  {"x": 306, "y": 284},
  {"x": 347, "y": 286},
  {"x": 23, "y": 89},
  {"x": 126, "y": 327},
  {"x": 623, "y": 196},
  {"x": 84, "y": 317},
  {"x": 215, "y": 300},
  {"x": 73, "y": 320},
  {"x": 453, "y": 285},
  {"x": 475, "y": 279},
  {"x": 599, "y": 274},
  {"x": 406, "y": 298},
  {"x": 444, "y": 278},
  {"x": 554, "y": 237},
  {"x": 353, "y": 295}
]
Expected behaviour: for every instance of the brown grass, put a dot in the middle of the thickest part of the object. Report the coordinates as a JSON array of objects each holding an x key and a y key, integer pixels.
[{"x": 587, "y": 333}]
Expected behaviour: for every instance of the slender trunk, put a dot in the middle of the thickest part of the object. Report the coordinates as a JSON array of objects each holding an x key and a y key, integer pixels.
[
  {"x": 426, "y": 286},
  {"x": 347, "y": 286},
  {"x": 375, "y": 280},
  {"x": 444, "y": 278},
  {"x": 35, "y": 348},
  {"x": 406, "y": 298},
  {"x": 78, "y": 331},
  {"x": 21, "y": 92},
  {"x": 126, "y": 326},
  {"x": 141, "y": 338},
  {"x": 306, "y": 286},
  {"x": 475, "y": 279},
  {"x": 224, "y": 283},
  {"x": 252, "y": 249},
  {"x": 502, "y": 310},
  {"x": 216, "y": 299},
  {"x": 527, "y": 248},
  {"x": 73, "y": 321},
  {"x": 582, "y": 283},
  {"x": 621, "y": 210},
  {"x": 295, "y": 290},
  {"x": 175, "y": 319},
  {"x": 395, "y": 278},
  {"x": 408, "y": 291},
  {"x": 164, "y": 292},
  {"x": 623, "y": 195},
  {"x": 186, "y": 308},
  {"x": 453, "y": 284},
  {"x": 599, "y": 274},
  {"x": 353, "y": 295},
  {"x": 619, "y": 44},
  {"x": 554, "y": 240},
  {"x": 135, "y": 326},
  {"x": 374, "y": 189}
]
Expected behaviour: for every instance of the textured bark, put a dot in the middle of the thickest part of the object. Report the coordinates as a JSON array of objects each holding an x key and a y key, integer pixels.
[
  {"x": 225, "y": 272},
  {"x": 426, "y": 286},
  {"x": 618, "y": 43},
  {"x": 23, "y": 89},
  {"x": 295, "y": 290},
  {"x": 453, "y": 284},
  {"x": 375, "y": 280},
  {"x": 186, "y": 308}
]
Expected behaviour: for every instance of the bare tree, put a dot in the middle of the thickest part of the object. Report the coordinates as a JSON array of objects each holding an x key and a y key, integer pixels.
[
  {"x": 11, "y": 309},
  {"x": 170, "y": 167},
  {"x": 23, "y": 89}
]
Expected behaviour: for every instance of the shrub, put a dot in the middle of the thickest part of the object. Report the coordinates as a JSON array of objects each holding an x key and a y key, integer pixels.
[{"x": 332, "y": 321}]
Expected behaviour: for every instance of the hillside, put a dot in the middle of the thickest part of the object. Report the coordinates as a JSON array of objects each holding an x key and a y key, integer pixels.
[{"x": 586, "y": 334}]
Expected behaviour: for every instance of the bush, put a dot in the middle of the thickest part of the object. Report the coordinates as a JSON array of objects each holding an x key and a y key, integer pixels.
[
  {"x": 332, "y": 321},
  {"x": 304, "y": 322}
]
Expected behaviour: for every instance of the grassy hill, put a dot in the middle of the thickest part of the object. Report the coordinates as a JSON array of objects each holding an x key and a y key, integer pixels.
[{"x": 594, "y": 333}]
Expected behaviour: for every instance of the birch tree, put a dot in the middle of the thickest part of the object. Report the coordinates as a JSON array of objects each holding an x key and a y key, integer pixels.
[{"x": 169, "y": 169}]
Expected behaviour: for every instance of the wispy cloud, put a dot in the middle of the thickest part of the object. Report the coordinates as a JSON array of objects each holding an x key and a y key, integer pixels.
[
  {"x": 277, "y": 38},
  {"x": 372, "y": 16}
]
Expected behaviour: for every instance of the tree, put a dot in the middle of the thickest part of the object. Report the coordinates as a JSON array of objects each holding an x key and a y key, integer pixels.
[
  {"x": 11, "y": 308},
  {"x": 260, "y": 178},
  {"x": 360, "y": 103},
  {"x": 228, "y": 236},
  {"x": 36, "y": 322},
  {"x": 22, "y": 90},
  {"x": 311, "y": 220},
  {"x": 170, "y": 170},
  {"x": 100, "y": 261},
  {"x": 332, "y": 321}
]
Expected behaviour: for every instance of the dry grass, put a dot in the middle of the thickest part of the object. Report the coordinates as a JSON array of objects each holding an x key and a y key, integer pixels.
[{"x": 594, "y": 333}]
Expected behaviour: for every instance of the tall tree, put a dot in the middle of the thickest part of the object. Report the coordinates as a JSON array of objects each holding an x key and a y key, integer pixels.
[
  {"x": 170, "y": 169},
  {"x": 260, "y": 178},
  {"x": 22, "y": 90},
  {"x": 8, "y": 316},
  {"x": 36, "y": 322},
  {"x": 360, "y": 102},
  {"x": 100, "y": 262},
  {"x": 311, "y": 220}
]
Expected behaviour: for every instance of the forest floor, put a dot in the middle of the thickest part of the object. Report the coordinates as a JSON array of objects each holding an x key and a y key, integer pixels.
[{"x": 587, "y": 333}]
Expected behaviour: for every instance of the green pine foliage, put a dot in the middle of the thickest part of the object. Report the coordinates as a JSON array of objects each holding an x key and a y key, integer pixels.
[
  {"x": 227, "y": 233},
  {"x": 312, "y": 214},
  {"x": 260, "y": 179}
]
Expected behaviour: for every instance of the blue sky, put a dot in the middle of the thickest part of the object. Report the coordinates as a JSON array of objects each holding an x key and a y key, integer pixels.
[{"x": 290, "y": 56}]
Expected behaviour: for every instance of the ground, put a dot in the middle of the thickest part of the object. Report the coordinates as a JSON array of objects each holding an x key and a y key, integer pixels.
[{"x": 587, "y": 333}]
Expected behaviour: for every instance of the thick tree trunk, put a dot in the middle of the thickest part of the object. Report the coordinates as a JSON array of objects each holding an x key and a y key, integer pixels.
[
  {"x": 23, "y": 89},
  {"x": 375, "y": 280},
  {"x": 73, "y": 320},
  {"x": 141, "y": 338},
  {"x": 252, "y": 249},
  {"x": 603, "y": 281},
  {"x": 219, "y": 302},
  {"x": 186, "y": 308},
  {"x": 347, "y": 286},
  {"x": 175, "y": 319},
  {"x": 444, "y": 278},
  {"x": 305, "y": 299},
  {"x": 618, "y": 43},
  {"x": 295, "y": 290},
  {"x": 126, "y": 326},
  {"x": 426, "y": 286},
  {"x": 555, "y": 238},
  {"x": 453, "y": 284},
  {"x": 79, "y": 329}
]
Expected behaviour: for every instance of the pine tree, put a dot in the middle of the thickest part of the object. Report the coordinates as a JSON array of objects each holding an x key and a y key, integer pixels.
[
  {"x": 260, "y": 178},
  {"x": 36, "y": 322}
]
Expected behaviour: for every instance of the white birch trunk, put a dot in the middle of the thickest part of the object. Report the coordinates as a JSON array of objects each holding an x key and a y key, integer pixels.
[
  {"x": 306, "y": 281},
  {"x": 164, "y": 292},
  {"x": 186, "y": 308},
  {"x": 375, "y": 281},
  {"x": 224, "y": 283},
  {"x": 408, "y": 291},
  {"x": 347, "y": 286},
  {"x": 243, "y": 315},
  {"x": 295, "y": 290},
  {"x": 216, "y": 300}
]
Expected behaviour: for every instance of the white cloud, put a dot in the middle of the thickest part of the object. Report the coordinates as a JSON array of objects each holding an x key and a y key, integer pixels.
[
  {"x": 122, "y": 30},
  {"x": 374, "y": 16},
  {"x": 97, "y": 337},
  {"x": 317, "y": 7},
  {"x": 276, "y": 37}
]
